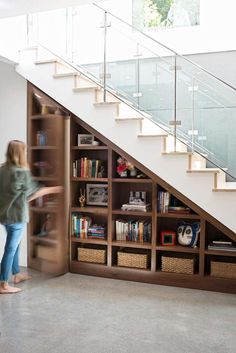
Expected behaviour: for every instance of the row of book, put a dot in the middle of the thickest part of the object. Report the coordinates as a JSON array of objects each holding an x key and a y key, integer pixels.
[
  {"x": 88, "y": 168},
  {"x": 83, "y": 228},
  {"x": 137, "y": 231},
  {"x": 167, "y": 203}
]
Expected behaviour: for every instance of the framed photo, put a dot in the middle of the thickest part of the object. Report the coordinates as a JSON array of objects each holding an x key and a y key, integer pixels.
[
  {"x": 85, "y": 139},
  {"x": 97, "y": 194}
]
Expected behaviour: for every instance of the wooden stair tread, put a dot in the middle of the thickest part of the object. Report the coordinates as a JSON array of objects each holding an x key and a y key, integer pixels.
[
  {"x": 46, "y": 61},
  {"x": 85, "y": 88},
  {"x": 228, "y": 186},
  {"x": 67, "y": 74},
  {"x": 153, "y": 135},
  {"x": 184, "y": 153},
  {"x": 177, "y": 153},
  {"x": 105, "y": 103},
  {"x": 32, "y": 47},
  {"x": 206, "y": 170},
  {"x": 221, "y": 189},
  {"x": 136, "y": 118}
]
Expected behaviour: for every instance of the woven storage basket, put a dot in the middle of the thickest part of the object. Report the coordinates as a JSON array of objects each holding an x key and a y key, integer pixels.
[
  {"x": 92, "y": 255},
  {"x": 223, "y": 269},
  {"x": 132, "y": 260},
  {"x": 177, "y": 265}
]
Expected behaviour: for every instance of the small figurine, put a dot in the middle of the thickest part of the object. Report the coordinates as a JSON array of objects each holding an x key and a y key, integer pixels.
[
  {"x": 47, "y": 226},
  {"x": 82, "y": 198},
  {"x": 101, "y": 173}
]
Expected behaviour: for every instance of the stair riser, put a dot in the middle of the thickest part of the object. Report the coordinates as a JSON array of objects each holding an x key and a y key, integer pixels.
[
  {"x": 171, "y": 145},
  {"x": 196, "y": 162},
  {"x": 149, "y": 128}
]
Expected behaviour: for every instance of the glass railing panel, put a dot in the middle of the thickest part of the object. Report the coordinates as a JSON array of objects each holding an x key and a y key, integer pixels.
[
  {"x": 50, "y": 29},
  {"x": 156, "y": 87},
  {"x": 137, "y": 73},
  {"x": 88, "y": 41},
  {"x": 208, "y": 115},
  {"x": 13, "y": 34},
  {"x": 184, "y": 103}
]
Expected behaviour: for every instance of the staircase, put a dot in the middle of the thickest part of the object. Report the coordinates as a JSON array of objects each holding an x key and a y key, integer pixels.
[{"x": 135, "y": 133}]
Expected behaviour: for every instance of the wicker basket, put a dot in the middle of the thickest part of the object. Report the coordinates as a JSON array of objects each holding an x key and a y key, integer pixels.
[
  {"x": 132, "y": 260},
  {"x": 177, "y": 265},
  {"x": 92, "y": 255},
  {"x": 223, "y": 269}
]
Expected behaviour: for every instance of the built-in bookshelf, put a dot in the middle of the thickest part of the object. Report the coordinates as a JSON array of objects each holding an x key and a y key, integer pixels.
[
  {"x": 125, "y": 225},
  {"x": 138, "y": 231}
]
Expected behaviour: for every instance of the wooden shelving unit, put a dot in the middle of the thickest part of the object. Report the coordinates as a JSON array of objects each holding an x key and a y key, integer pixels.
[
  {"x": 118, "y": 194},
  {"x": 118, "y": 189},
  {"x": 47, "y": 245}
]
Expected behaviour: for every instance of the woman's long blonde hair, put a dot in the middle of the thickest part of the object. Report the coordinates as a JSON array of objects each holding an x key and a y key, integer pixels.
[{"x": 16, "y": 154}]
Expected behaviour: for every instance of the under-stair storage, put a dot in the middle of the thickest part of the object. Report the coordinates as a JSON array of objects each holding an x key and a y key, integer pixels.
[{"x": 124, "y": 221}]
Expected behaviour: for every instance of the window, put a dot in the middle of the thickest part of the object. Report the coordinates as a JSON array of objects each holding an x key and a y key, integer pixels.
[{"x": 153, "y": 14}]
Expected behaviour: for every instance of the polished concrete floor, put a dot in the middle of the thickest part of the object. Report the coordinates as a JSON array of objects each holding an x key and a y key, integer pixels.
[{"x": 80, "y": 314}]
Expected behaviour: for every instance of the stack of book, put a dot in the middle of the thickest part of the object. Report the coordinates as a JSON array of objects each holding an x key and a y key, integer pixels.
[
  {"x": 80, "y": 226},
  {"x": 167, "y": 203},
  {"x": 136, "y": 231},
  {"x": 132, "y": 207},
  {"x": 163, "y": 200},
  {"x": 88, "y": 168},
  {"x": 96, "y": 231},
  {"x": 179, "y": 209},
  {"x": 222, "y": 245}
]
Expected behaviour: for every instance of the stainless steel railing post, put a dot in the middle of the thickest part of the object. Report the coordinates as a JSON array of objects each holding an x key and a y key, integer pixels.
[
  {"x": 175, "y": 103},
  {"x": 105, "y": 58}
]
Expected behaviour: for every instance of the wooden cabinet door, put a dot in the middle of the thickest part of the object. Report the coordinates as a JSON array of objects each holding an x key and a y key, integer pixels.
[{"x": 48, "y": 227}]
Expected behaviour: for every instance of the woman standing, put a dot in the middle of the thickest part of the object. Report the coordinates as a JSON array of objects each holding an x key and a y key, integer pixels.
[{"x": 16, "y": 189}]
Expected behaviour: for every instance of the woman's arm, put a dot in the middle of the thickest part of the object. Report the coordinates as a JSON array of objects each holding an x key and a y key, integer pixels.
[{"x": 45, "y": 191}]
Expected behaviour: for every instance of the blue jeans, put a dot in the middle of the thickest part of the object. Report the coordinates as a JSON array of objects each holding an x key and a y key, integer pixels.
[{"x": 10, "y": 259}]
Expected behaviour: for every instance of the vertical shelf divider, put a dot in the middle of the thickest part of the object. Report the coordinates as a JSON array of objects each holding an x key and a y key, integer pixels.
[
  {"x": 67, "y": 191},
  {"x": 202, "y": 247},
  {"x": 109, "y": 217},
  {"x": 154, "y": 227}
]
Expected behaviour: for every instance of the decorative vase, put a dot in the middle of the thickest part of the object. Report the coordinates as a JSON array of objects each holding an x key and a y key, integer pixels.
[
  {"x": 123, "y": 174},
  {"x": 133, "y": 173}
]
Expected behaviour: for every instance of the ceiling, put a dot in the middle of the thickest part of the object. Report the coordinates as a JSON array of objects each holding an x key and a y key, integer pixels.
[{"x": 10, "y": 8}]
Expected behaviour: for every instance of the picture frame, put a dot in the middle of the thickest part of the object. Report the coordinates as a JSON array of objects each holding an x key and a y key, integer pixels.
[
  {"x": 168, "y": 238},
  {"x": 97, "y": 194},
  {"x": 85, "y": 139}
]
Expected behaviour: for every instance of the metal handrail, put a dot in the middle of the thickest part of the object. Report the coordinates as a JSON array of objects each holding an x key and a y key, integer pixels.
[{"x": 166, "y": 47}]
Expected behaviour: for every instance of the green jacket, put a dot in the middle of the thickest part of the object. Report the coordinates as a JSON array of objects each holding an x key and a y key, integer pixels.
[{"x": 16, "y": 185}]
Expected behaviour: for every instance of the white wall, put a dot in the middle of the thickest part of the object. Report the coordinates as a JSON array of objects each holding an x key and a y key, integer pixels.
[
  {"x": 19, "y": 7},
  {"x": 13, "y": 98},
  {"x": 215, "y": 32}
]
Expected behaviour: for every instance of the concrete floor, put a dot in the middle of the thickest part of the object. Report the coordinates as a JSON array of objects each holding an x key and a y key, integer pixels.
[{"x": 81, "y": 314}]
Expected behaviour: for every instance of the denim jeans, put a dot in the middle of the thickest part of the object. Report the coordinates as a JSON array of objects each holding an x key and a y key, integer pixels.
[{"x": 10, "y": 260}]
